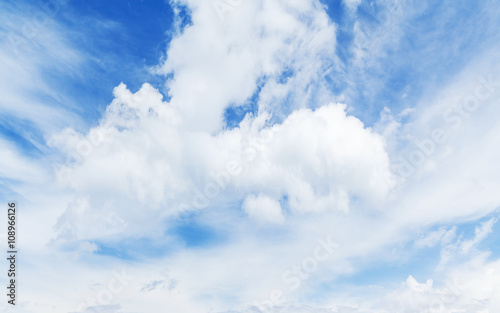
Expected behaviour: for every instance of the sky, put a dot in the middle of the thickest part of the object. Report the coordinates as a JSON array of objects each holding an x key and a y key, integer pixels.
[{"x": 252, "y": 156}]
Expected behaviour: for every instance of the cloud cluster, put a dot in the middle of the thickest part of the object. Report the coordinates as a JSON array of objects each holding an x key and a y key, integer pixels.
[
  {"x": 140, "y": 157},
  {"x": 298, "y": 167},
  {"x": 221, "y": 59},
  {"x": 169, "y": 157}
]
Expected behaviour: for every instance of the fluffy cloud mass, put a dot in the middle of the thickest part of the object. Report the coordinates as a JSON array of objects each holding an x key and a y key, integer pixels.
[
  {"x": 139, "y": 155},
  {"x": 259, "y": 39},
  {"x": 253, "y": 180},
  {"x": 169, "y": 157}
]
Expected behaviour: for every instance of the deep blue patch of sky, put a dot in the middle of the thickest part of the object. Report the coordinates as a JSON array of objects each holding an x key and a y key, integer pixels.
[{"x": 122, "y": 40}]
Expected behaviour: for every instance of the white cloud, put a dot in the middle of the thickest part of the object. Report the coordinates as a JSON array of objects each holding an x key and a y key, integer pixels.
[
  {"x": 216, "y": 63},
  {"x": 418, "y": 287},
  {"x": 31, "y": 43},
  {"x": 140, "y": 156},
  {"x": 352, "y": 4},
  {"x": 433, "y": 238},
  {"x": 170, "y": 157},
  {"x": 149, "y": 160},
  {"x": 263, "y": 209},
  {"x": 481, "y": 232},
  {"x": 17, "y": 167},
  {"x": 438, "y": 149}
]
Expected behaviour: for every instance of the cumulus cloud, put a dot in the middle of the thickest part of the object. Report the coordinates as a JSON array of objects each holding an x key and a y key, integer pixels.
[
  {"x": 140, "y": 156},
  {"x": 170, "y": 157},
  {"x": 261, "y": 39}
]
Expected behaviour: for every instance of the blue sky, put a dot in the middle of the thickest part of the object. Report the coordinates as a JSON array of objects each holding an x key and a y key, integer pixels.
[
  {"x": 210, "y": 146},
  {"x": 119, "y": 39}
]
